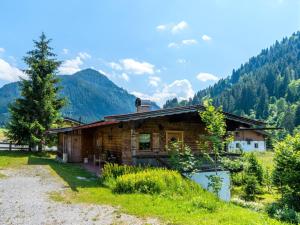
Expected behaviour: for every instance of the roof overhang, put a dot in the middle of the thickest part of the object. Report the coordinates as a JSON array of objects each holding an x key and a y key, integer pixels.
[
  {"x": 59, "y": 130},
  {"x": 178, "y": 110}
]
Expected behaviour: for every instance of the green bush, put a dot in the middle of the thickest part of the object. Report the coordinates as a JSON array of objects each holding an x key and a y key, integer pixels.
[
  {"x": 254, "y": 168},
  {"x": 283, "y": 212},
  {"x": 237, "y": 179},
  {"x": 286, "y": 174},
  {"x": 182, "y": 158},
  {"x": 233, "y": 165},
  {"x": 250, "y": 188},
  {"x": 112, "y": 170},
  {"x": 150, "y": 181}
]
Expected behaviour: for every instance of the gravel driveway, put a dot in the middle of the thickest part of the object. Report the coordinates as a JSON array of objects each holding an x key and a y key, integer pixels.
[{"x": 24, "y": 200}]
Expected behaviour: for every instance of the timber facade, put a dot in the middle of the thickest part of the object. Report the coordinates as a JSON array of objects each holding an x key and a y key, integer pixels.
[{"x": 139, "y": 138}]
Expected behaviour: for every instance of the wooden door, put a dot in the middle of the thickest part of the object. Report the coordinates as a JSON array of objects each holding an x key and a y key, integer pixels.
[{"x": 76, "y": 148}]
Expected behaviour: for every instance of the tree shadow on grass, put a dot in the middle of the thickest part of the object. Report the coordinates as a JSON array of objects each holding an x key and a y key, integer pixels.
[{"x": 74, "y": 175}]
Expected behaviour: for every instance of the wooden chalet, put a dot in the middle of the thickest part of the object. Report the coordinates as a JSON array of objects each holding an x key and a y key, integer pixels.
[{"x": 138, "y": 138}]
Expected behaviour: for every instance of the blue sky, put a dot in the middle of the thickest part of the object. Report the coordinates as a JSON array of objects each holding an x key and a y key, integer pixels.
[{"x": 155, "y": 49}]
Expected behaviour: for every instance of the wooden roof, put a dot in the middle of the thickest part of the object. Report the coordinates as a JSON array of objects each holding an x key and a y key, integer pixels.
[
  {"x": 178, "y": 110},
  {"x": 115, "y": 119},
  {"x": 96, "y": 124}
]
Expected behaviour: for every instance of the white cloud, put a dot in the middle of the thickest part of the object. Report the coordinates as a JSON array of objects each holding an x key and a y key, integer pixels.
[
  {"x": 154, "y": 81},
  {"x": 161, "y": 27},
  {"x": 2, "y": 50},
  {"x": 173, "y": 45},
  {"x": 182, "y": 89},
  {"x": 9, "y": 72},
  {"x": 136, "y": 67},
  {"x": 180, "y": 26},
  {"x": 207, "y": 77},
  {"x": 124, "y": 76},
  {"x": 181, "y": 61},
  {"x": 142, "y": 95},
  {"x": 189, "y": 42},
  {"x": 70, "y": 66},
  {"x": 183, "y": 42},
  {"x": 65, "y": 51},
  {"x": 206, "y": 37},
  {"x": 84, "y": 55},
  {"x": 115, "y": 66}
]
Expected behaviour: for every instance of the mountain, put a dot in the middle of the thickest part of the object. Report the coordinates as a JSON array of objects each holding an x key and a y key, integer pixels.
[
  {"x": 90, "y": 94},
  {"x": 267, "y": 87}
]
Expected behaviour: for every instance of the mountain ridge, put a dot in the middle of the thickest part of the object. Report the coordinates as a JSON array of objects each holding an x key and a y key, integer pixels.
[
  {"x": 266, "y": 87},
  {"x": 91, "y": 96}
]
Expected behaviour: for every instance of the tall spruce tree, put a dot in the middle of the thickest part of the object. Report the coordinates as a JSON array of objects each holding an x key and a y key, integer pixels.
[{"x": 38, "y": 107}]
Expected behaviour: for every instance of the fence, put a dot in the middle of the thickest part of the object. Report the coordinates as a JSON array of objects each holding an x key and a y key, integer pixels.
[{"x": 13, "y": 147}]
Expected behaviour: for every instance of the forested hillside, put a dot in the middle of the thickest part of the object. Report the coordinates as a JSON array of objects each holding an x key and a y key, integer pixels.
[
  {"x": 90, "y": 96},
  {"x": 267, "y": 87}
]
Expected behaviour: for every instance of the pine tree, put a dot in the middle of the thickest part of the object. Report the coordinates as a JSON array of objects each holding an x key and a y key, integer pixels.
[
  {"x": 38, "y": 107},
  {"x": 297, "y": 116}
]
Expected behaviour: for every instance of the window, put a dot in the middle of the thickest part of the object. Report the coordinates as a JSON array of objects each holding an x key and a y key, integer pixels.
[
  {"x": 174, "y": 136},
  {"x": 238, "y": 145},
  {"x": 144, "y": 142},
  {"x": 248, "y": 141},
  {"x": 255, "y": 145}
]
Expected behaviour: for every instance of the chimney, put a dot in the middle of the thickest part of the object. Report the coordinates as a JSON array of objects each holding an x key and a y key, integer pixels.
[{"x": 142, "y": 105}]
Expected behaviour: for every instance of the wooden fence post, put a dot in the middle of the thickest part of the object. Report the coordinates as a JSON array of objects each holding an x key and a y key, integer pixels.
[{"x": 10, "y": 146}]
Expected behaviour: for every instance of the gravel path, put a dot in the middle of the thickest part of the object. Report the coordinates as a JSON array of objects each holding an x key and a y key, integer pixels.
[{"x": 24, "y": 200}]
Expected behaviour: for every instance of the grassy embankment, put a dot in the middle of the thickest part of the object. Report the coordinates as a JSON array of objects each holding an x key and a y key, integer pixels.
[{"x": 170, "y": 209}]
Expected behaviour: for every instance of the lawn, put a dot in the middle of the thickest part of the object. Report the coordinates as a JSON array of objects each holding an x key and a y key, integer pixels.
[
  {"x": 170, "y": 209},
  {"x": 266, "y": 159}
]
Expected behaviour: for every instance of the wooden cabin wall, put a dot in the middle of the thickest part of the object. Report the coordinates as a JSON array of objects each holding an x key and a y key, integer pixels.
[
  {"x": 87, "y": 139},
  {"x": 76, "y": 146},
  {"x": 116, "y": 140},
  {"x": 60, "y": 145},
  {"x": 159, "y": 126},
  {"x": 243, "y": 135}
]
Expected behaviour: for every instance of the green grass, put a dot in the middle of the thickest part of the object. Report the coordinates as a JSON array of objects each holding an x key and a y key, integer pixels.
[
  {"x": 266, "y": 159},
  {"x": 202, "y": 208}
]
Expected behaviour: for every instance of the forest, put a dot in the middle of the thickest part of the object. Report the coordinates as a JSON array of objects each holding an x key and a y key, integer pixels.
[{"x": 267, "y": 87}]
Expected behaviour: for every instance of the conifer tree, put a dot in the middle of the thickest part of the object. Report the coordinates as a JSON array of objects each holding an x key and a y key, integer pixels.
[
  {"x": 297, "y": 116},
  {"x": 38, "y": 107}
]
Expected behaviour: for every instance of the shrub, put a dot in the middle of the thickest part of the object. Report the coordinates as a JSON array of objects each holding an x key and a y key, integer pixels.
[
  {"x": 237, "y": 179},
  {"x": 215, "y": 183},
  {"x": 150, "y": 181},
  {"x": 283, "y": 212},
  {"x": 182, "y": 158},
  {"x": 286, "y": 174},
  {"x": 112, "y": 170},
  {"x": 250, "y": 188},
  {"x": 254, "y": 168},
  {"x": 233, "y": 165}
]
